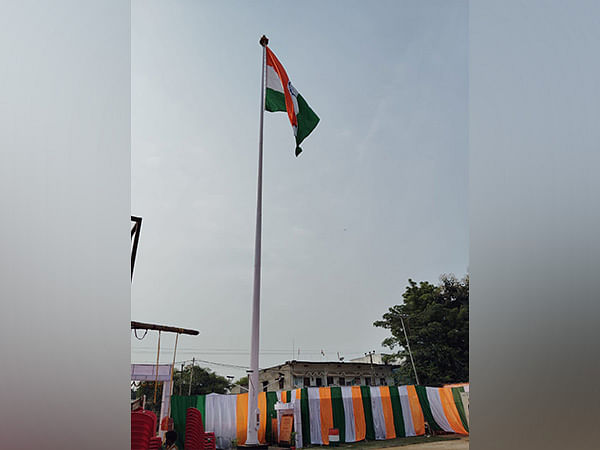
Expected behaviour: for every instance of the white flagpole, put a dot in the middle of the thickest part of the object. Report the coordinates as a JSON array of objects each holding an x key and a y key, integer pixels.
[{"x": 253, "y": 411}]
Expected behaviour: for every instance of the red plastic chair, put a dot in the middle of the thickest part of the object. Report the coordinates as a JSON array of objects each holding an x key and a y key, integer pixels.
[
  {"x": 195, "y": 436},
  {"x": 155, "y": 443},
  {"x": 143, "y": 429}
]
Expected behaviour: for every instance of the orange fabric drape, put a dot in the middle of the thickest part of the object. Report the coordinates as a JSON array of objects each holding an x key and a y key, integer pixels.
[
  {"x": 360, "y": 425},
  {"x": 450, "y": 410},
  {"x": 416, "y": 411},
  {"x": 241, "y": 418},
  {"x": 388, "y": 412}
]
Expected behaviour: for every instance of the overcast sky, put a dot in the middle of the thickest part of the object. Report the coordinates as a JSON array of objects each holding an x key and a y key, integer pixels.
[{"x": 378, "y": 196}]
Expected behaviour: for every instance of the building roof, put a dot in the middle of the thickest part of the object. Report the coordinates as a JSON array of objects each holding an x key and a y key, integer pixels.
[{"x": 324, "y": 363}]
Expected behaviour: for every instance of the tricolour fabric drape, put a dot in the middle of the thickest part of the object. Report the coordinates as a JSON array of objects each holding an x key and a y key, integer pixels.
[{"x": 357, "y": 412}]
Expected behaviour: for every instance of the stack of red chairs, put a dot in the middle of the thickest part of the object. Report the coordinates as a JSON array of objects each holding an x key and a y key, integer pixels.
[
  {"x": 143, "y": 428},
  {"x": 195, "y": 436},
  {"x": 155, "y": 443}
]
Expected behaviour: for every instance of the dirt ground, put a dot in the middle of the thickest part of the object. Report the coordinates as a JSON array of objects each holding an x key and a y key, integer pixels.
[{"x": 459, "y": 444}]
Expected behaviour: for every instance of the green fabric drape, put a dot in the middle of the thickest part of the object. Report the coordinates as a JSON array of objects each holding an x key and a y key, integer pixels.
[
  {"x": 305, "y": 417},
  {"x": 271, "y": 414},
  {"x": 368, "y": 408},
  {"x": 459, "y": 405},
  {"x": 179, "y": 407},
  {"x": 337, "y": 408},
  {"x": 424, "y": 401},
  {"x": 397, "y": 410}
]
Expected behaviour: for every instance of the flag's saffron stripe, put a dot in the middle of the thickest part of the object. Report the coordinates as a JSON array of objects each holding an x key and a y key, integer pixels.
[{"x": 278, "y": 68}]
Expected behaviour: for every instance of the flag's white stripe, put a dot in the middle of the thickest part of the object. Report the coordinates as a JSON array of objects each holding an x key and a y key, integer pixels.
[
  {"x": 437, "y": 410},
  {"x": 378, "y": 417},
  {"x": 273, "y": 80},
  {"x": 409, "y": 427},
  {"x": 314, "y": 410},
  {"x": 466, "y": 388},
  {"x": 349, "y": 413}
]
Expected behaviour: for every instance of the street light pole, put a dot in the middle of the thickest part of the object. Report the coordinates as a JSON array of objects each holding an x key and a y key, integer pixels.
[{"x": 408, "y": 346}]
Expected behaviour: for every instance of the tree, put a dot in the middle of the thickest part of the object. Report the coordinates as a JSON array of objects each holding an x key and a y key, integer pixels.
[
  {"x": 437, "y": 324},
  {"x": 243, "y": 382},
  {"x": 204, "y": 381}
]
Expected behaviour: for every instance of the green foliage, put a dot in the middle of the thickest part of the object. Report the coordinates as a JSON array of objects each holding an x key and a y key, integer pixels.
[
  {"x": 242, "y": 382},
  {"x": 204, "y": 381},
  {"x": 437, "y": 324}
]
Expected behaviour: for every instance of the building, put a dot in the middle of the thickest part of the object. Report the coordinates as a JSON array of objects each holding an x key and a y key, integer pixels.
[{"x": 300, "y": 374}]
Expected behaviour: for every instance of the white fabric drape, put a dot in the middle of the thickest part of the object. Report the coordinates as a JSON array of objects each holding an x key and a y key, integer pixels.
[
  {"x": 437, "y": 410},
  {"x": 314, "y": 411},
  {"x": 378, "y": 417},
  {"x": 297, "y": 419},
  {"x": 349, "y": 413},
  {"x": 409, "y": 427},
  {"x": 221, "y": 418}
]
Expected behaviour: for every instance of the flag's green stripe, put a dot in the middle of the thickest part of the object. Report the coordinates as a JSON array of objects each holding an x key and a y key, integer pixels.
[
  {"x": 305, "y": 417},
  {"x": 274, "y": 101},
  {"x": 337, "y": 407},
  {"x": 397, "y": 410},
  {"x": 179, "y": 407},
  {"x": 422, "y": 394},
  {"x": 307, "y": 120},
  {"x": 459, "y": 405},
  {"x": 288, "y": 396},
  {"x": 366, "y": 399},
  {"x": 271, "y": 414}
]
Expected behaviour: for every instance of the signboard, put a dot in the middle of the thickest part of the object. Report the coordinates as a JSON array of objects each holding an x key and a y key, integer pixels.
[{"x": 285, "y": 434}]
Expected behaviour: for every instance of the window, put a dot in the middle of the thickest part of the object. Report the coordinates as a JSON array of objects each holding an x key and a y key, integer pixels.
[
  {"x": 342, "y": 381},
  {"x": 265, "y": 384},
  {"x": 329, "y": 381},
  {"x": 356, "y": 381},
  {"x": 319, "y": 381},
  {"x": 281, "y": 382},
  {"x": 367, "y": 381},
  {"x": 306, "y": 381},
  {"x": 382, "y": 381}
]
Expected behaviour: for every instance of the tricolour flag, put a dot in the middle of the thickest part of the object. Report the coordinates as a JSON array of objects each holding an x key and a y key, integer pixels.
[{"x": 282, "y": 96}]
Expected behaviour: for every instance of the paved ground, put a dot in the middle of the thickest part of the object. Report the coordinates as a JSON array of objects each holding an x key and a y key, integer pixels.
[{"x": 460, "y": 444}]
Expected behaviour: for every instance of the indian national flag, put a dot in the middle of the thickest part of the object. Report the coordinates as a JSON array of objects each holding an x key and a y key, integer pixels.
[{"x": 282, "y": 96}]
